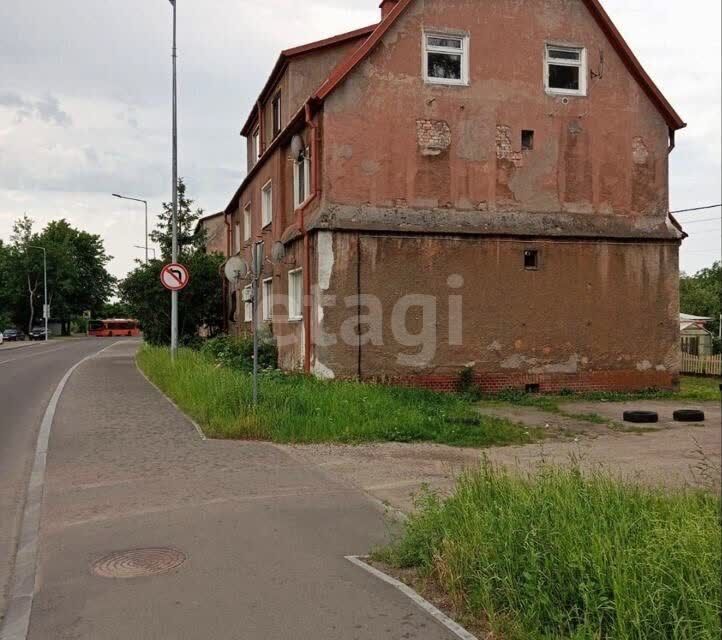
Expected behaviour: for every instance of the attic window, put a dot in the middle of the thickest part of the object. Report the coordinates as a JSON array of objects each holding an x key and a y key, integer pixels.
[
  {"x": 446, "y": 59},
  {"x": 565, "y": 70},
  {"x": 256, "y": 145},
  {"x": 276, "y": 114}
]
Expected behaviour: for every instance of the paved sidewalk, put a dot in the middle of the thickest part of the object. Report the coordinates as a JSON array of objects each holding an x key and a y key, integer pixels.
[{"x": 265, "y": 535}]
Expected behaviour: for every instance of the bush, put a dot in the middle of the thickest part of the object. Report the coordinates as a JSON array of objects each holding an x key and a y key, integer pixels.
[
  {"x": 237, "y": 352},
  {"x": 561, "y": 555}
]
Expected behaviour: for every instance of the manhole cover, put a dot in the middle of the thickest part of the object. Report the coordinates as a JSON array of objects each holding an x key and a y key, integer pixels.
[{"x": 136, "y": 563}]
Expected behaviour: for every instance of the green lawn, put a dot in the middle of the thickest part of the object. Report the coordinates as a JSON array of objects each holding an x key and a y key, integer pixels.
[
  {"x": 561, "y": 555},
  {"x": 296, "y": 408}
]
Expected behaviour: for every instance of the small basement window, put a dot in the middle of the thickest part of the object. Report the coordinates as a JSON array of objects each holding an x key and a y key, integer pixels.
[
  {"x": 531, "y": 259},
  {"x": 565, "y": 70},
  {"x": 527, "y": 140},
  {"x": 446, "y": 59}
]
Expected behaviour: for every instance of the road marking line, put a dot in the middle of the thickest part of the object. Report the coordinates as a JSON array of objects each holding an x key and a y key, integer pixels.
[
  {"x": 20, "y": 601},
  {"x": 197, "y": 427},
  {"x": 32, "y": 355},
  {"x": 452, "y": 626}
]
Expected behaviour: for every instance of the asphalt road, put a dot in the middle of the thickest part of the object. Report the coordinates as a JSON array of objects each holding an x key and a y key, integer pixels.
[
  {"x": 29, "y": 373},
  {"x": 260, "y": 537}
]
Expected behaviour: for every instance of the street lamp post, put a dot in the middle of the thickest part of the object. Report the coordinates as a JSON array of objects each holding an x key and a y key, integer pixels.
[
  {"x": 174, "y": 246},
  {"x": 46, "y": 310},
  {"x": 147, "y": 249},
  {"x": 145, "y": 202}
]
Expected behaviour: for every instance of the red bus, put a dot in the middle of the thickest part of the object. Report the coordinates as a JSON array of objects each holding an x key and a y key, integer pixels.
[{"x": 113, "y": 327}]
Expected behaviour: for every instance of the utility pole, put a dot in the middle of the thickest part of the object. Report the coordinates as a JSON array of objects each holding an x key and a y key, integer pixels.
[
  {"x": 46, "y": 309},
  {"x": 174, "y": 251}
]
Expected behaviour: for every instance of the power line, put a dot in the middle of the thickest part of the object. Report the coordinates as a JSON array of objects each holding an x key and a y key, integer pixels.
[
  {"x": 709, "y": 206},
  {"x": 703, "y": 220}
]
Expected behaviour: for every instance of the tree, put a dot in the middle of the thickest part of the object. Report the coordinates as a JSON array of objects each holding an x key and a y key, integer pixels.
[
  {"x": 5, "y": 294},
  {"x": 188, "y": 240},
  {"x": 701, "y": 294},
  {"x": 199, "y": 304},
  {"x": 76, "y": 266}
]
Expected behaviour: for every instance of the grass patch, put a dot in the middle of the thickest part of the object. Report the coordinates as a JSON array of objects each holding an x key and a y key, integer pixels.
[
  {"x": 300, "y": 409},
  {"x": 692, "y": 388},
  {"x": 561, "y": 555}
]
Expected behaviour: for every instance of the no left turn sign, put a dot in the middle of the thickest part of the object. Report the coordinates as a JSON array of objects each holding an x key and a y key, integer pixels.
[{"x": 174, "y": 276}]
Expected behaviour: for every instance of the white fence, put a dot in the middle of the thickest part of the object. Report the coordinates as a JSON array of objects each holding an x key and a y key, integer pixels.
[{"x": 708, "y": 365}]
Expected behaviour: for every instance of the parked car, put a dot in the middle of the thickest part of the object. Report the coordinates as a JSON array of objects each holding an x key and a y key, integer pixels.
[
  {"x": 13, "y": 335},
  {"x": 2, "y": 338},
  {"x": 38, "y": 333}
]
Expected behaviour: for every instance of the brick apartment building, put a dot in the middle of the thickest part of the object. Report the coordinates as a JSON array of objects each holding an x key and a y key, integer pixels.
[{"x": 491, "y": 178}]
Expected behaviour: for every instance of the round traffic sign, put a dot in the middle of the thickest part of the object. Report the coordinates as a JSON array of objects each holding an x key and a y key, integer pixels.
[{"x": 174, "y": 276}]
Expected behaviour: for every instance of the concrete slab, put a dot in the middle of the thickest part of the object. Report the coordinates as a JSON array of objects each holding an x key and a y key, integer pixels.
[{"x": 265, "y": 535}]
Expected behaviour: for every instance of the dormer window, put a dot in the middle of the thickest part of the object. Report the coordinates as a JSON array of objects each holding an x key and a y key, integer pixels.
[
  {"x": 446, "y": 59},
  {"x": 276, "y": 107},
  {"x": 565, "y": 70},
  {"x": 256, "y": 145}
]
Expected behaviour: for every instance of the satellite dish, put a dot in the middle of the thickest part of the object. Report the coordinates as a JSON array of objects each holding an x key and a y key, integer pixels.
[
  {"x": 278, "y": 251},
  {"x": 235, "y": 269},
  {"x": 298, "y": 146}
]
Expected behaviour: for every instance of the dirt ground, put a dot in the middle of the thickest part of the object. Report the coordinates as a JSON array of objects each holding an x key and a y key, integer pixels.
[{"x": 670, "y": 454}]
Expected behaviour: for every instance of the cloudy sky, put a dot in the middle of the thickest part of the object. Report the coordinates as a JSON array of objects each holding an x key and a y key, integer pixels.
[{"x": 85, "y": 102}]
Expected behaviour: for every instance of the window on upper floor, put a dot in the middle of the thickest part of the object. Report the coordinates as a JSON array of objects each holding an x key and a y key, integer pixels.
[
  {"x": 247, "y": 223},
  {"x": 267, "y": 204},
  {"x": 236, "y": 237},
  {"x": 446, "y": 58},
  {"x": 276, "y": 106},
  {"x": 256, "y": 145},
  {"x": 301, "y": 179},
  {"x": 565, "y": 70}
]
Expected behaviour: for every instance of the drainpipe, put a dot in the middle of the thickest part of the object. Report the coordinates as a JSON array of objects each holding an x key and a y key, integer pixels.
[
  {"x": 315, "y": 190},
  {"x": 672, "y": 142}
]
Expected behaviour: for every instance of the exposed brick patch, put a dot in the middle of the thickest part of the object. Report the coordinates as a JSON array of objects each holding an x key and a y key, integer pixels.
[
  {"x": 505, "y": 148},
  {"x": 433, "y": 136},
  {"x": 640, "y": 153},
  {"x": 625, "y": 380}
]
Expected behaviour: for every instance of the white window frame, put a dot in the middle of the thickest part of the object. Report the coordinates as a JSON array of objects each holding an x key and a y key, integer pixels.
[
  {"x": 580, "y": 64},
  {"x": 247, "y": 223},
  {"x": 247, "y": 306},
  {"x": 256, "y": 144},
  {"x": 267, "y": 290},
  {"x": 237, "y": 237},
  {"x": 267, "y": 204},
  {"x": 426, "y": 48},
  {"x": 295, "y": 298},
  {"x": 305, "y": 166}
]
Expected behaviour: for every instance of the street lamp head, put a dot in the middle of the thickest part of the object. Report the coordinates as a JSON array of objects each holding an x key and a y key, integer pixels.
[{"x": 117, "y": 195}]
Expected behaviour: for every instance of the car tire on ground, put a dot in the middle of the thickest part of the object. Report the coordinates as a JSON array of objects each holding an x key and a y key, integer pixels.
[
  {"x": 688, "y": 415},
  {"x": 641, "y": 417}
]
